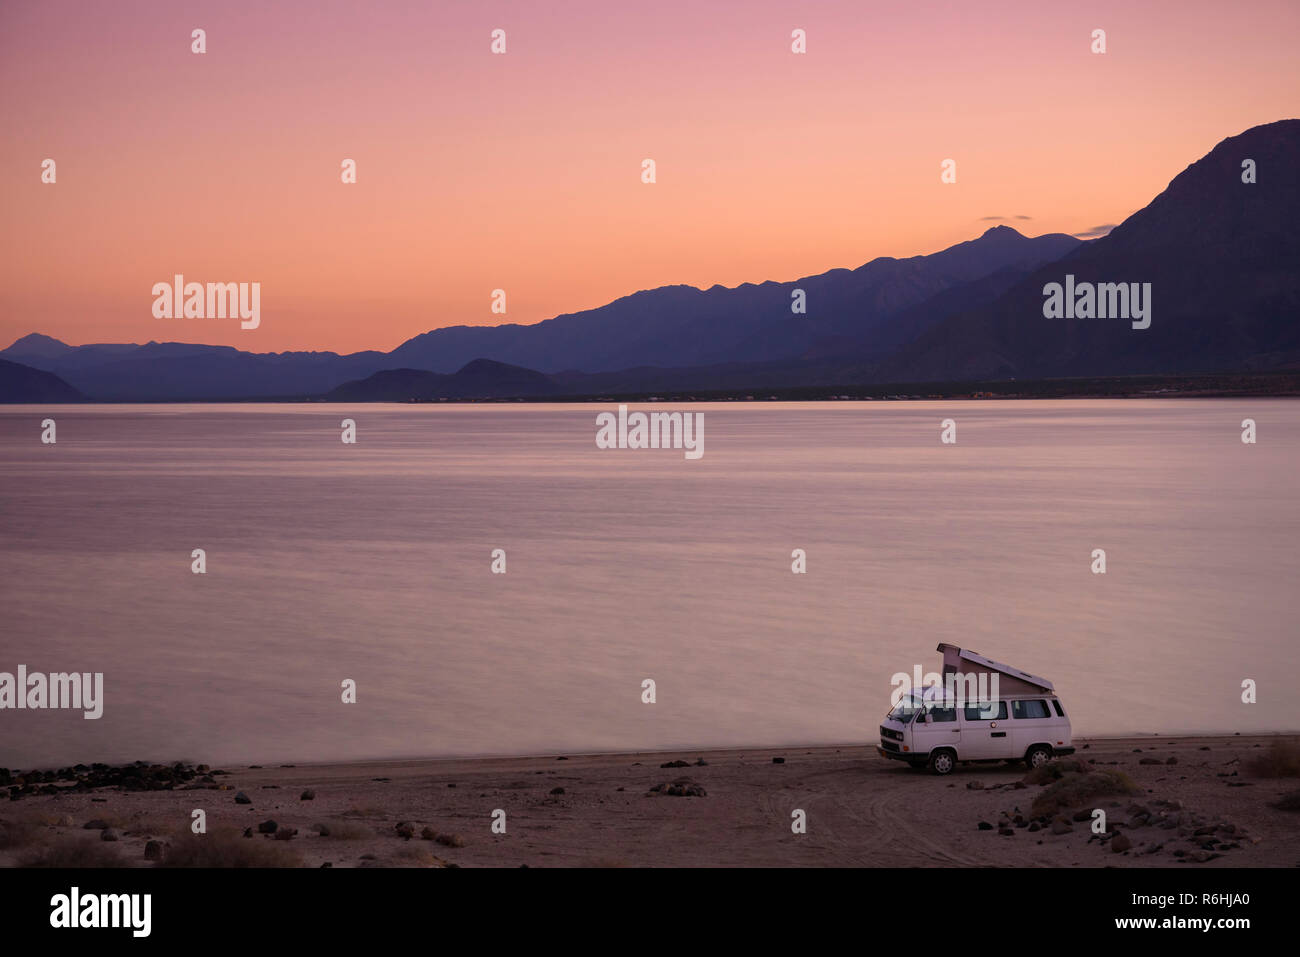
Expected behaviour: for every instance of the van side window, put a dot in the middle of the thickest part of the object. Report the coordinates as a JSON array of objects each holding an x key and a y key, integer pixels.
[
  {"x": 1030, "y": 709},
  {"x": 1057, "y": 704},
  {"x": 976, "y": 713},
  {"x": 944, "y": 714}
]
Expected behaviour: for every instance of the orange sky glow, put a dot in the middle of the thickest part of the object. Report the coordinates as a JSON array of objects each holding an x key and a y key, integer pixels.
[{"x": 522, "y": 171}]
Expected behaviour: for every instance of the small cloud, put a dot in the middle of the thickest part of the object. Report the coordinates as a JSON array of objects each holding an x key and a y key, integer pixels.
[
  {"x": 987, "y": 218},
  {"x": 1096, "y": 231},
  {"x": 1024, "y": 217}
]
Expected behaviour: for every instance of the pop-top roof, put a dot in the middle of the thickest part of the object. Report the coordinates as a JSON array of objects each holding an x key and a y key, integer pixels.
[{"x": 992, "y": 665}]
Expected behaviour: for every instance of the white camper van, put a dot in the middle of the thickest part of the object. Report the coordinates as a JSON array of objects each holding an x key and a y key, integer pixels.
[{"x": 1023, "y": 722}]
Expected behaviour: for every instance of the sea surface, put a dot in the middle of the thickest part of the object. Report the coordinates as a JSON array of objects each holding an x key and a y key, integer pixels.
[{"x": 372, "y": 562}]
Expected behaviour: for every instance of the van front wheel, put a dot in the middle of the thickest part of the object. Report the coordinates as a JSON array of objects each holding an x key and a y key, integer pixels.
[
  {"x": 942, "y": 761},
  {"x": 1037, "y": 756}
]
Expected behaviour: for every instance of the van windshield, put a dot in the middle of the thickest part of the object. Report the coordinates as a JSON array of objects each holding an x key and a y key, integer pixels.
[{"x": 906, "y": 709}]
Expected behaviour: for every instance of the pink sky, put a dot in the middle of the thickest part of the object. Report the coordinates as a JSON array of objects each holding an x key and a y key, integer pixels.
[{"x": 522, "y": 171}]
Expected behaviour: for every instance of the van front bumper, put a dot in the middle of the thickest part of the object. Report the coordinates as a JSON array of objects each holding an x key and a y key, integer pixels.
[{"x": 896, "y": 755}]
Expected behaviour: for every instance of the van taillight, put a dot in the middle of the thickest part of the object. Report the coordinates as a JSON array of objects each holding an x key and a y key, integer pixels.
[{"x": 906, "y": 748}]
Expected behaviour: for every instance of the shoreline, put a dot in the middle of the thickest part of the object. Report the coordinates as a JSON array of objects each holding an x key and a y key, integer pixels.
[{"x": 1197, "y": 803}]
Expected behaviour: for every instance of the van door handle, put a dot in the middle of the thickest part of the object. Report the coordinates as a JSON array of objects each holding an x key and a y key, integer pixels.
[{"x": 998, "y": 734}]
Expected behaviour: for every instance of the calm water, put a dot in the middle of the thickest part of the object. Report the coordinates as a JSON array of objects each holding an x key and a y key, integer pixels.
[{"x": 372, "y": 562}]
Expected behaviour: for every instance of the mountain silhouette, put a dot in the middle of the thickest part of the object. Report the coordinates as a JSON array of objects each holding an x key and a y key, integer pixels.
[
  {"x": 20, "y": 383},
  {"x": 1223, "y": 260},
  {"x": 1220, "y": 256},
  {"x": 674, "y": 326}
]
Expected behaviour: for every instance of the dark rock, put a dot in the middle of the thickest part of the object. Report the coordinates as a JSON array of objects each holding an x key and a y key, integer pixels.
[
  {"x": 242, "y": 798},
  {"x": 674, "y": 764},
  {"x": 95, "y": 825},
  {"x": 561, "y": 790},
  {"x": 1119, "y": 843},
  {"x": 405, "y": 830},
  {"x": 108, "y": 834},
  {"x": 153, "y": 851},
  {"x": 286, "y": 833},
  {"x": 266, "y": 827},
  {"x": 985, "y": 825},
  {"x": 1060, "y": 825},
  {"x": 782, "y": 760},
  {"x": 310, "y": 795}
]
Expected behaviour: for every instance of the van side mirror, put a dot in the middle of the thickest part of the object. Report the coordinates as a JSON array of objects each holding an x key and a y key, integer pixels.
[{"x": 929, "y": 718}]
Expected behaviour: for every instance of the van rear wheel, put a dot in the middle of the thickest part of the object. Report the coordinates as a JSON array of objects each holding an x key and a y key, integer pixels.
[
  {"x": 1037, "y": 756},
  {"x": 943, "y": 760}
]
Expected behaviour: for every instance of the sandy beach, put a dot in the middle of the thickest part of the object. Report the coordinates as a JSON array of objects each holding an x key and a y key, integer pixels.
[{"x": 1200, "y": 801}]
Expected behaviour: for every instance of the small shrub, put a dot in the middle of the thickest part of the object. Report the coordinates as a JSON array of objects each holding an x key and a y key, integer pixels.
[
  {"x": 1076, "y": 789},
  {"x": 17, "y": 832},
  {"x": 1288, "y": 802},
  {"x": 347, "y": 831},
  {"x": 1281, "y": 760},
  {"x": 1055, "y": 770},
  {"x": 227, "y": 848}
]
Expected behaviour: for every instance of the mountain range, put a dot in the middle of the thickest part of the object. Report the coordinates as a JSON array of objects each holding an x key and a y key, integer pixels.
[{"x": 1221, "y": 256}]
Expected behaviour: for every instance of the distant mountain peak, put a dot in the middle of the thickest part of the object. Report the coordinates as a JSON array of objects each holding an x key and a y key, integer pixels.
[
  {"x": 35, "y": 344},
  {"x": 1001, "y": 232}
]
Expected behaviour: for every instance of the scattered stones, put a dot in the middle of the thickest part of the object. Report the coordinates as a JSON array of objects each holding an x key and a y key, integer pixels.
[
  {"x": 674, "y": 764},
  {"x": 1149, "y": 761},
  {"x": 976, "y": 785},
  {"x": 428, "y": 834},
  {"x": 451, "y": 840},
  {"x": 405, "y": 830},
  {"x": 1006, "y": 832}
]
